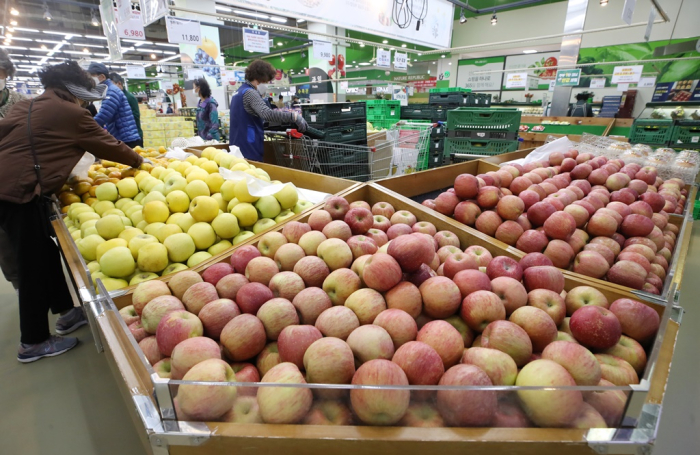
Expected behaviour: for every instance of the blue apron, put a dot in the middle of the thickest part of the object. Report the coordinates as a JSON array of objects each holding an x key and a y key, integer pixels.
[{"x": 245, "y": 131}]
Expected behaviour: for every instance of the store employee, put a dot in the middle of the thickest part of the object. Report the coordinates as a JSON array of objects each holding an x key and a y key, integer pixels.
[{"x": 249, "y": 111}]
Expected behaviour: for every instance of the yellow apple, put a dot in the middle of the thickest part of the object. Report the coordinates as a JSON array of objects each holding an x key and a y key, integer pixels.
[
  {"x": 140, "y": 176},
  {"x": 185, "y": 222},
  {"x": 226, "y": 161},
  {"x": 149, "y": 180},
  {"x": 172, "y": 219},
  {"x": 227, "y": 190},
  {"x": 123, "y": 203},
  {"x": 218, "y": 156},
  {"x": 139, "y": 197},
  {"x": 247, "y": 214},
  {"x": 136, "y": 216},
  {"x": 112, "y": 284},
  {"x": 127, "y": 221},
  {"x": 242, "y": 193},
  {"x": 177, "y": 201},
  {"x": 87, "y": 225},
  {"x": 268, "y": 207},
  {"x": 220, "y": 201},
  {"x": 226, "y": 226},
  {"x": 76, "y": 234},
  {"x": 263, "y": 224},
  {"x": 204, "y": 208},
  {"x": 153, "y": 258},
  {"x": 157, "y": 172},
  {"x": 302, "y": 205},
  {"x": 242, "y": 237},
  {"x": 166, "y": 231},
  {"x": 180, "y": 247},
  {"x": 210, "y": 166},
  {"x": 174, "y": 268},
  {"x": 139, "y": 241},
  {"x": 262, "y": 174},
  {"x": 196, "y": 161},
  {"x": 214, "y": 182},
  {"x": 141, "y": 225},
  {"x": 219, "y": 247},
  {"x": 203, "y": 235},
  {"x": 102, "y": 248},
  {"x": 209, "y": 151},
  {"x": 153, "y": 228},
  {"x": 93, "y": 266},
  {"x": 107, "y": 192},
  {"x": 128, "y": 187},
  {"x": 155, "y": 212},
  {"x": 88, "y": 246},
  {"x": 141, "y": 277},
  {"x": 231, "y": 204},
  {"x": 153, "y": 196},
  {"x": 196, "y": 174},
  {"x": 117, "y": 262},
  {"x": 175, "y": 182},
  {"x": 197, "y": 188},
  {"x": 284, "y": 215},
  {"x": 287, "y": 196},
  {"x": 100, "y": 207},
  {"x": 240, "y": 167},
  {"x": 86, "y": 216},
  {"x": 129, "y": 233},
  {"x": 197, "y": 257},
  {"x": 113, "y": 212},
  {"x": 109, "y": 227}
]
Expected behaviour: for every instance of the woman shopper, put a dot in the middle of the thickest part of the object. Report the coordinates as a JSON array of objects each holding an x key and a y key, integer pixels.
[
  {"x": 249, "y": 111},
  {"x": 207, "y": 112},
  {"x": 8, "y": 98},
  {"x": 38, "y": 149}
]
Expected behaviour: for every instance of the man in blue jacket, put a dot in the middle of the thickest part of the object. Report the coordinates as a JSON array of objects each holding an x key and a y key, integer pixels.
[{"x": 115, "y": 113}]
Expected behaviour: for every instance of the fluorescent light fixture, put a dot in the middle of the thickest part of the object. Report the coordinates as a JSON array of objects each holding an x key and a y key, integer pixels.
[
  {"x": 168, "y": 45},
  {"x": 137, "y": 42},
  {"x": 603, "y": 2},
  {"x": 301, "y": 20},
  {"x": 281, "y": 20},
  {"x": 362, "y": 44},
  {"x": 385, "y": 41},
  {"x": 21, "y": 39},
  {"x": 251, "y": 14},
  {"x": 171, "y": 53},
  {"x": 141, "y": 49},
  {"x": 92, "y": 36},
  {"x": 223, "y": 8},
  {"x": 169, "y": 58},
  {"x": 280, "y": 44},
  {"x": 14, "y": 47},
  {"x": 529, "y": 51},
  {"x": 403, "y": 45},
  {"x": 57, "y": 33},
  {"x": 50, "y": 41},
  {"x": 87, "y": 45},
  {"x": 442, "y": 56},
  {"x": 29, "y": 30},
  {"x": 363, "y": 64},
  {"x": 76, "y": 52}
]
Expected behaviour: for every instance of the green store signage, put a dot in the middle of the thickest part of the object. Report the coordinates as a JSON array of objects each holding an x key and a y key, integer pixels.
[{"x": 567, "y": 78}]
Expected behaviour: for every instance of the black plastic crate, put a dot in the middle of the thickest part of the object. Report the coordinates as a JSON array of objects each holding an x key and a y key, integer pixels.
[
  {"x": 459, "y": 99},
  {"x": 417, "y": 112},
  {"x": 439, "y": 130},
  {"x": 482, "y": 100},
  {"x": 346, "y": 134},
  {"x": 437, "y": 144},
  {"x": 319, "y": 115},
  {"x": 483, "y": 134},
  {"x": 435, "y": 160}
]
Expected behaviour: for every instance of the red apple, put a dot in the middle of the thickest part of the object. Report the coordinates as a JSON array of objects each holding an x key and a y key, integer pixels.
[
  {"x": 444, "y": 339},
  {"x": 504, "y": 266},
  {"x": 544, "y": 277},
  {"x": 337, "y": 207},
  {"x": 242, "y": 255},
  {"x": 595, "y": 327},
  {"x": 467, "y": 408},
  {"x": 509, "y": 338}
]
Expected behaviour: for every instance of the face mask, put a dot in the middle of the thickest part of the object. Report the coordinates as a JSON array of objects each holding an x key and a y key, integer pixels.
[
  {"x": 2, "y": 84},
  {"x": 96, "y": 79},
  {"x": 262, "y": 88}
]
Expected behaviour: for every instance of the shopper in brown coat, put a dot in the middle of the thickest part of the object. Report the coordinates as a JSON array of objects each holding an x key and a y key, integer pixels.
[{"x": 41, "y": 140}]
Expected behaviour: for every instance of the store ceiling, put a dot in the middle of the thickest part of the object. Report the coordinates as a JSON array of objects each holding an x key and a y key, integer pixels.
[{"x": 488, "y": 4}]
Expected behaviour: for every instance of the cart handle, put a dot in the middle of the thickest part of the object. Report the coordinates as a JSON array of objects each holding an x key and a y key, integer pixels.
[{"x": 296, "y": 134}]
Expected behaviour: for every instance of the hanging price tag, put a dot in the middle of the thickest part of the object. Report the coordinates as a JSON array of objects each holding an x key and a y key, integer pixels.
[
  {"x": 256, "y": 40},
  {"x": 384, "y": 59},
  {"x": 323, "y": 50},
  {"x": 135, "y": 72},
  {"x": 123, "y": 10},
  {"x": 132, "y": 28},
  {"x": 183, "y": 31},
  {"x": 400, "y": 61}
]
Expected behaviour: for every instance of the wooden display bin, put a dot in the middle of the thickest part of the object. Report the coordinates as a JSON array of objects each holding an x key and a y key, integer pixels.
[{"x": 140, "y": 386}]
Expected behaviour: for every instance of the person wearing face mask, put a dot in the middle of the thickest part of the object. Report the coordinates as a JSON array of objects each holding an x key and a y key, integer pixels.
[
  {"x": 133, "y": 104},
  {"x": 207, "y": 112},
  {"x": 115, "y": 113},
  {"x": 249, "y": 111},
  {"x": 41, "y": 141}
]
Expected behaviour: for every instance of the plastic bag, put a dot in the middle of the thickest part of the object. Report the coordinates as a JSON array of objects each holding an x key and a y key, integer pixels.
[
  {"x": 81, "y": 169},
  {"x": 177, "y": 153},
  {"x": 562, "y": 144},
  {"x": 259, "y": 188}
]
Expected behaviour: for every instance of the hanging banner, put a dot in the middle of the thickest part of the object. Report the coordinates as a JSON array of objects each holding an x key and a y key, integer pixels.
[
  {"x": 537, "y": 65},
  {"x": 516, "y": 80},
  {"x": 400, "y": 61},
  {"x": 598, "y": 82},
  {"x": 110, "y": 29},
  {"x": 256, "y": 40},
  {"x": 323, "y": 50},
  {"x": 132, "y": 27},
  {"x": 206, "y": 53},
  {"x": 650, "y": 23},
  {"x": 152, "y": 10},
  {"x": 370, "y": 16},
  {"x": 399, "y": 93},
  {"x": 123, "y": 8},
  {"x": 383, "y": 59},
  {"x": 489, "y": 81},
  {"x": 627, "y": 74},
  {"x": 135, "y": 72},
  {"x": 183, "y": 31},
  {"x": 628, "y": 11}
]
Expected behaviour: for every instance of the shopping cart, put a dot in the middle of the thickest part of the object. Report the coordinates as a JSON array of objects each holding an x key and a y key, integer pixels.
[{"x": 405, "y": 150}]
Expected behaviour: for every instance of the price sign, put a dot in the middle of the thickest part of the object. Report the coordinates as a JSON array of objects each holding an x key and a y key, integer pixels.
[
  {"x": 166, "y": 85},
  {"x": 650, "y": 23},
  {"x": 123, "y": 10},
  {"x": 627, "y": 74},
  {"x": 343, "y": 85},
  {"x": 323, "y": 50},
  {"x": 135, "y": 72},
  {"x": 628, "y": 11},
  {"x": 598, "y": 82},
  {"x": 132, "y": 28},
  {"x": 622, "y": 87},
  {"x": 384, "y": 59},
  {"x": 647, "y": 82},
  {"x": 194, "y": 73},
  {"x": 568, "y": 78},
  {"x": 552, "y": 84},
  {"x": 256, "y": 40},
  {"x": 400, "y": 61},
  {"x": 183, "y": 31},
  {"x": 516, "y": 80}
]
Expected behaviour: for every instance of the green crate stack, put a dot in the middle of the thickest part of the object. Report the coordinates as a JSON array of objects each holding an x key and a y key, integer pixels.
[
  {"x": 696, "y": 210},
  {"x": 382, "y": 124},
  {"x": 383, "y": 110},
  {"x": 653, "y": 132},
  {"x": 686, "y": 134},
  {"x": 482, "y": 131}
]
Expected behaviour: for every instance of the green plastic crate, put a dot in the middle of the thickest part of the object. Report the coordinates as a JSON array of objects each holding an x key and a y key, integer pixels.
[
  {"x": 450, "y": 89},
  {"x": 483, "y": 119},
  {"x": 479, "y": 146},
  {"x": 383, "y": 110},
  {"x": 686, "y": 134},
  {"x": 696, "y": 210},
  {"x": 651, "y": 131}
]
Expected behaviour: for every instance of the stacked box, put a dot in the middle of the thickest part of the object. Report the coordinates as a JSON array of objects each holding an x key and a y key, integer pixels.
[
  {"x": 161, "y": 131},
  {"x": 686, "y": 134},
  {"x": 652, "y": 132},
  {"x": 478, "y": 131},
  {"x": 383, "y": 113}
]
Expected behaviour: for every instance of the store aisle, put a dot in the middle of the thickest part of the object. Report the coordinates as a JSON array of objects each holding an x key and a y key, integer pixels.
[{"x": 63, "y": 405}]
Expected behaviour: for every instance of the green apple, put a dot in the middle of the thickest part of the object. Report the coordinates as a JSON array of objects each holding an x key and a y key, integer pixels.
[
  {"x": 129, "y": 233},
  {"x": 242, "y": 237},
  {"x": 102, "y": 248},
  {"x": 220, "y": 200},
  {"x": 123, "y": 201},
  {"x": 231, "y": 204},
  {"x": 159, "y": 188},
  {"x": 242, "y": 193},
  {"x": 93, "y": 266},
  {"x": 100, "y": 207},
  {"x": 197, "y": 257},
  {"x": 175, "y": 182},
  {"x": 76, "y": 234},
  {"x": 77, "y": 208},
  {"x": 204, "y": 208},
  {"x": 107, "y": 192},
  {"x": 226, "y": 226},
  {"x": 87, "y": 225},
  {"x": 139, "y": 241},
  {"x": 92, "y": 230},
  {"x": 145, "y": 182},
  {"x": 86, "y": 216},
  {"x": 285, "y": 215},
  {"x": 302, "y": 205},
  {"x": 109, "y": 227},
  {"x": 203, "y": 235},
  {"x": 166, "y": 231},
  {"x": 112, "y": 284},
  {"x": 268, "y": 207},
  {"x": 113, "y": 212},
  {"x": 155, "y": 212},
  {"x": 287, "y": 196},
  {"x": 153, "y": 196},
  {"x": 127, "y": 222},
  {"x": 227, "y": 161},
  {"x": 88, "y": 246},
  {"x": 117, "y": 262},
  {"x": 174, "y": 268},
  {"x": 128, "y": 187},
  {"x": 263, "y": 224},
  {"x": 141, "y": 277},
  {"x": 180, "y": 247},
  {"x": 141, "y": 225},
  {"x": 178, "y": 201},
  {"x": 136, "y": 207},
  {"x": 153, "y": 257},
  {"x": 152, "y": 184},
  {"x": 137, "y": 217},
  {"x": 152, "y": 229},
  {"x": 227, "y": 190},
  {"x": 219, "y": 247},
  {"x": 246, "y": 213},
  {"x": 166, "y": 173},
  {"x": 262, "y": 174},
  {"x": 139, "y": 197},
  {"x": 96, "y": 276},
  {"x": 172, "y": 219},
  {"x": 197, "y": 188},
  {"x": 185, "y": 222}
]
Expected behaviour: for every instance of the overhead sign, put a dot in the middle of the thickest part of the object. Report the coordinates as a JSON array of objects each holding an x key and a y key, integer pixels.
[
  {"x": 399, "y": 93},
  {"x": 516, "y": 80},
  {"x": 166, "y": 85},
  {"x": 110, "y": 29},
  {"x": 194, "y": 73},
  {"x": 647, "y": 82},
  {"x": 369, "y": 16},
  {"x": 123, "y": 10},
  {"x": 538, "y": 65},
  {"x": 486, "y": 81},
  {"x": 183, "y": 31},
  {"x": 153, "y": 10},
  {"x": 384, "y": 59},
  {"x": 256, "y": 40},
  {"x": 323, "y": 50},
  {"x": 597, "y": 82},
  {"x": 400, "y": 61},
  {"x": 628, "y": 11},
  {"x": 132, "y": 27},
  {"x": 568, "y": 78},
  {"x": 627, "y": 74},
  {"x": 650, "y": 23},
  {"x": 135, "y": 72}
]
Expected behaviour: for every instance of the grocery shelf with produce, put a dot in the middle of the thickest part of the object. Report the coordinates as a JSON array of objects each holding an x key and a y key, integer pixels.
[{"x": 152, "y": 399}]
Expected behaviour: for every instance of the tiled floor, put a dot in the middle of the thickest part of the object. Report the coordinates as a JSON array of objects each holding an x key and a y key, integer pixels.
[{"x": 70, "y": 404}]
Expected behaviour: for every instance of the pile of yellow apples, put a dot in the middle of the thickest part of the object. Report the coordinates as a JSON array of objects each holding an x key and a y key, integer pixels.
[{"x": 169, "y": 218}]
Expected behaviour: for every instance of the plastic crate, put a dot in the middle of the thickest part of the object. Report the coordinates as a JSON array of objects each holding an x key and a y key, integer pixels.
[
  {"x": 454, "y": 98},
  {"x": 382, "y": 124},
  {"x": 383, "y": 110},
  {"x": 321, "y": 114},
  {"x": 437, "y": 144},
  {"x": 483, "y": 134},
  {"x": 651, "y": 131},
  {"x": 479, "y": 146},
  {"x": 482, "y": 100},
  {"x": 450, "y": 90},
  {"x": 686, "y": 134},
  {"x": 696, "y": 210},
  {"x": 440, "y": 113},
  {"x": 483, "y": 119},
  {"x": 344, "y": 134},
  {"x": 438, "y": 131},
  {"x": 417, "y": 112}
]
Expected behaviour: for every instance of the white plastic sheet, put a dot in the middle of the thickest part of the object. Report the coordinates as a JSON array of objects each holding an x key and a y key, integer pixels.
[
  {"x": 177, "y": 154},
  {"x": 81, "y": 169},
  {"x": 562, "y": 144}
]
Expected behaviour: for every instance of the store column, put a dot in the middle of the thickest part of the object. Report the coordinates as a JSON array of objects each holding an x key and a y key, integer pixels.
[{"x": 325, "y": 74}]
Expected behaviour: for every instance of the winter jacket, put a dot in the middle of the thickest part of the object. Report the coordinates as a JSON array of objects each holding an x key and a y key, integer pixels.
[
  {"x": 62, "y": 132},
  {"x": 12, "y": 98},
  {"x": 134, "y": 105},
  {"x": 115, "y": 115},
  {"x": 208, "y": 119}
]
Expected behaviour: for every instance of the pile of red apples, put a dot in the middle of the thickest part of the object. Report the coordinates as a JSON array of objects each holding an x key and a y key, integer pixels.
[
  {"x": 601, "y": 218},
  {"x": 371, "y": 296}
]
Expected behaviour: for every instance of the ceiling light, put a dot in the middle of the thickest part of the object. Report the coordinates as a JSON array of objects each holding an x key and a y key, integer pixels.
[
  {"x": 529, "y": 51},
  {"x": 442, "y": 56},
  {"x": 93, "y": 19},
  {"x": 362, "y": 44},
  {"x": 450, "y": 63},
  {"x": 14, "y": 12},
  {"x": 168, "y": 45},
  {"x": 282, "y": 58},
  {"x": 47, "y": 13},
  {"x": 354, "y": 61},
  {"x": 603, "y": 2},
  {"x": 494, "y": 19},
  {"x": 281, "y": 20},
  {"x": 419, "y": 54},
  {"x": 94, "y": 37},
  {"x": 12, "y": 29},
  {"x": 153, "y": 56},
  {"x": 43, "y": 46},
  {"x": 85, "y": 49},
  {"x": 223, "y": 8},
  {"x": 364, "y": 64},
  {"x": 247, "y": 13},
  {"x": 280, "y": 44},
  {"x": 462, "y": 17},
  {"x": 385, "y": 41},
  {"x": 301, "y": 20},
  {"x": 403, "y": 45}
]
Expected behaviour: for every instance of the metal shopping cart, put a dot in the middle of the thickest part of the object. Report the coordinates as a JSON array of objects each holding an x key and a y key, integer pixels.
[{"x": 405, "y": 150}]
